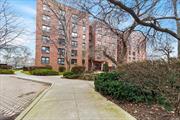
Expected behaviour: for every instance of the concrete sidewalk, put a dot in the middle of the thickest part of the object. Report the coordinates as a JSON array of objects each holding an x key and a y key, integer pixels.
[{"x": 73, "y": 100}]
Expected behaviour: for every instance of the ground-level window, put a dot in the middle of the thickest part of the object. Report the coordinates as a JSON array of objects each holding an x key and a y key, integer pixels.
[
  {"x": 45, "y": 60},
  {"x": 73, "y": 61},
  {"x": 61, "y": 61}
]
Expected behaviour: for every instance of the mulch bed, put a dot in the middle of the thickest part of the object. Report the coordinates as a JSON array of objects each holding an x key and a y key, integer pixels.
[{"x": 142, "y": 111}]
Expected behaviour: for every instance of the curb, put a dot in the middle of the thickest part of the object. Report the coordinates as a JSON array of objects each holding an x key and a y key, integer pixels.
[{"x": 36, "y": 100}]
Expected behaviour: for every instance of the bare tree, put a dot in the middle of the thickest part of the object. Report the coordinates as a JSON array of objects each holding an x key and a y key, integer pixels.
[
  {"x": 166, "y": 49},
  {"x": 145, "y": 13},
  {"x": 10, "y": 24},
  {"x": 17, "y": 56},
  {"x": 114, "y": 20}
]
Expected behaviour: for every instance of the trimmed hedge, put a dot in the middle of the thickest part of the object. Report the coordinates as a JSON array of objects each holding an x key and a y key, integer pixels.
[
  {"x": 71, "y": 75},
  {"x": 78, "y": 69},
  {"x": 44, "y": 72},
  {"x": 6, "y": 71},
  {"x": 36, "y": 67}
]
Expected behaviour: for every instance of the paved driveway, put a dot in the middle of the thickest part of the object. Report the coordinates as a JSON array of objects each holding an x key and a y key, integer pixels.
[
  {"x": 73, "y": 100},
  {"x": 16, "y": 95}
]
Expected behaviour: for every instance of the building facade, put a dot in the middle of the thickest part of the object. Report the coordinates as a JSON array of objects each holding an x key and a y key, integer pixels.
[
  {"x": 136, "y": 48},
  {"x": 102, "y": 42},
  {"x": 62, "y": 35},
  {"x": 65, "y": 37},
  {"x": 105, "y": 46}
]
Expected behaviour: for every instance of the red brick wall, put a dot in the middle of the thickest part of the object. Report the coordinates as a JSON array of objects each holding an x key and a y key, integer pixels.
[{"x": 54, "y": 36}]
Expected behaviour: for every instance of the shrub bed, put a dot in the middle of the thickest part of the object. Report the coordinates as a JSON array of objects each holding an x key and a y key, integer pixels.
[
  {"x": 78, "y": 69},
  {"x": 30, "y": 68},
  {"x": 137, "y": 87},
  {"x": 6, "y": 71},
  {"x": 71, "y": 75},
  {"x": 156, "y": 76},
  {"x": 43, "y": 72}
]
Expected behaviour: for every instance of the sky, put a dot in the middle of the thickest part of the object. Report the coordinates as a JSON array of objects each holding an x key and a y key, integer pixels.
[{"x": 26, "y": 11}]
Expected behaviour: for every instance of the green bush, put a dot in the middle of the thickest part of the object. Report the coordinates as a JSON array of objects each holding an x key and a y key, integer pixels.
[
  {"x": 108, "y": 76},
  {"x": 6, "y": 71},
  {"x": 71, "y": 75},
  {"x": 78, "y": 69},
  {"x": 105, "y": 67},
  {"x": 30, "y": 68},
  {"x": 44, "y": 72},
  {"x": 62, "y": 69},
  {"x": 111, "y": 84},
  {"x": 156, "y": 76},
  {"x": 88, "y": 76}
]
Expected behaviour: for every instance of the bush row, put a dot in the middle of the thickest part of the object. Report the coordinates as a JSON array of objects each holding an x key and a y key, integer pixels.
[
  {"x": 6, "y": 71},
  {"x": 30, "y": 68},
  {"x": 75, "y": 73},
  {"x": 44, "y": 72}
]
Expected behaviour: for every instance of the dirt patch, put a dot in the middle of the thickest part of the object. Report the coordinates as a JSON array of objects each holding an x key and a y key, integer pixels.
[{"x": 142, "y": 111}]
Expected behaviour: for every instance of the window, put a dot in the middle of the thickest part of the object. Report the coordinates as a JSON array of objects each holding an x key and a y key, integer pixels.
[
  {"x": 62, "y": 12},
  {"x": 73, "y": 53},
  {"x": 84, "y": 45},
  {"x": 74, "y": 19},
  {"x": 84, "y": 30},
  {"x": 83, "y": 61},
  {"x": 46, "y": 8},
  {"x": 129, "y": 52},
  {"x": 83, "y": 54},
  {"x": 74, "y": 28},
  {"x": 74, "y": 34},
  {"x": 73, "y": 61},
  {"x": 74, "y": 38},
  {"x": 61, "y": 61},
  {"x": 134, "y": 53},
  {"x": 46, "y": 28},
  {"x": 45, "y": 39},
  {"x": 74, "y": 44},
  {"x": 62, "y": 42},
  {"x": 46, "y": 18},
  {"x": 45, "y": 49},
  {"x": 61, "y": 25},
  {"x": 45, "y": 60},
  {"x": 61, "y": 32},
  {"x": 84, "y": 37},
  {"x": 84, "y": 22},
  {"x": 61, "y": 52}
]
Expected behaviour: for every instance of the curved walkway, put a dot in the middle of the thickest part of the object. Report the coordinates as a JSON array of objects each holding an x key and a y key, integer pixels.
[{"x": 72, "y": 100}]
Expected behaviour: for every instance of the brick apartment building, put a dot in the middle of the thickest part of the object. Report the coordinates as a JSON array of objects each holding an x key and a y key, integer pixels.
[
  {"x": 64, "y": 37},
  {"x": 101, "y": 40},
  {"x": 136, "y": 48}
]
